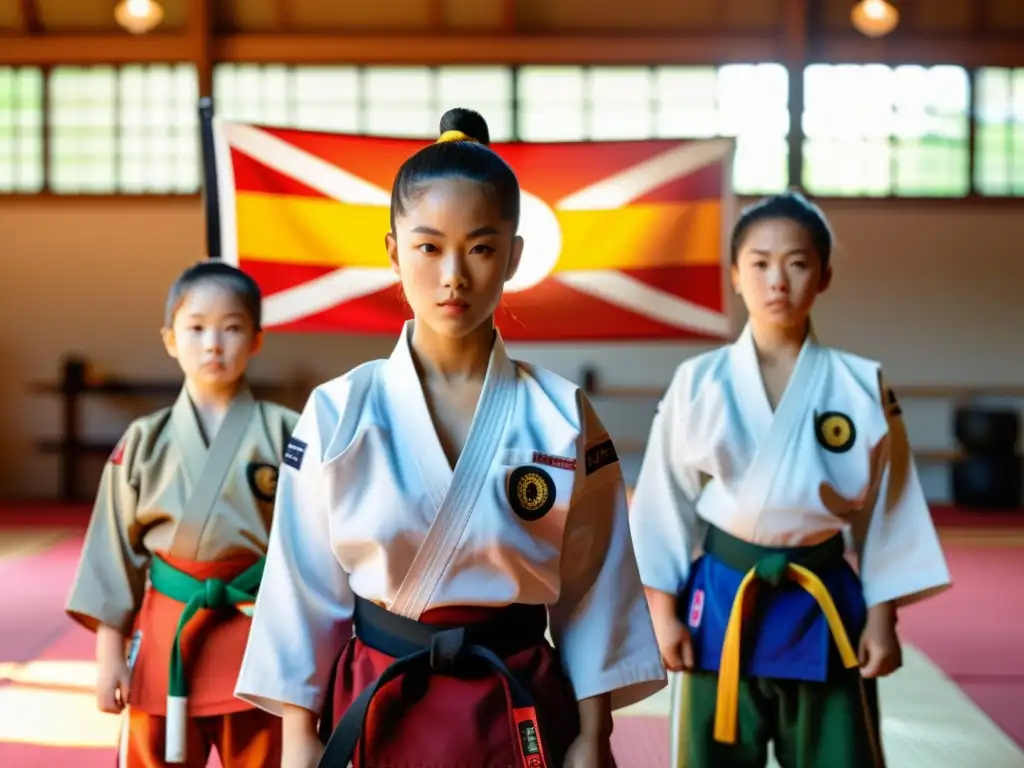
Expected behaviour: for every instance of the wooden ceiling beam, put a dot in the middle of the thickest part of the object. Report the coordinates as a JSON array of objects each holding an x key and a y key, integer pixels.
[
  {"x": 94, "y": 49},
  {"x": 284, "y": 19},
  {"x": 988, "y": 50},
  {"x": 998, "y": 51},
  {"x": 508, "y": 21},
  {"x": 199, "y": 34},
  {"x": 402, "y": 48},
  {"x": 435, "y": 16},
  {"x": 30, "y": 17}
]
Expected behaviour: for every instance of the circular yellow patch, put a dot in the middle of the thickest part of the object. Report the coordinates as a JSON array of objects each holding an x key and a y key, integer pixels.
[
  {"x": 531, "y": 492},
  {"x": 263, "y": 481},
  {"x": 835, "y": 431},
  {"x": 266, "y": 480}
]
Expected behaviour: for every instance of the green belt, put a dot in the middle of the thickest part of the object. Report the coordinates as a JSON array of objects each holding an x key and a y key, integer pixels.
[
  {"x": 213, "y": 594},
  {"x": 770, "y": 562}
]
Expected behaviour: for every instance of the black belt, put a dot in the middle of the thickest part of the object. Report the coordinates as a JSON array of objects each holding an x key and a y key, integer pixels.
[{"x": 426, "y": 649}]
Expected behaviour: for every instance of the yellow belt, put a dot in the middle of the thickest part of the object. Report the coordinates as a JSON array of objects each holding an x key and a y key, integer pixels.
[{"x": 727, "y": 704}]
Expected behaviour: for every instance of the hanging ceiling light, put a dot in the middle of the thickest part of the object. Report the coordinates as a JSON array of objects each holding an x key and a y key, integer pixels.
[
  {"x": 139, "y": 16},
  {"x": 874, "y": 18}
]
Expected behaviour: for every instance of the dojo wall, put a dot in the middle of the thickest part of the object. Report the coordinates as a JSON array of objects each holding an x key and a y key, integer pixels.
[{"x": 930, "y": 289}]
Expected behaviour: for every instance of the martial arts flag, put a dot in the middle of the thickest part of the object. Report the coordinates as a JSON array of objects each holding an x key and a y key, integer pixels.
[{"x": 624, "y": 240}]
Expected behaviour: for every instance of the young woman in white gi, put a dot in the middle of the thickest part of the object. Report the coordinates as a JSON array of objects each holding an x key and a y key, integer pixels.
[
  {"x": 767, "y": 460},
  {"x": 450, "y": 486}
]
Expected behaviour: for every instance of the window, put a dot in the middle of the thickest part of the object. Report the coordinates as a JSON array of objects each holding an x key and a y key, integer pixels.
[
  {"x": 158, "y": 127},
  {"x": 400, "y": 102},
  {"x": 999, "y": 151},
  {"x": 132, "y": 129},
  {"x": 391, "y": 101},
  {"x": 21, "y": 130},
  {"x": 753, "y": 106},
  {"x": 872, "y": 130},
  {"x": 326, "y": 99},
  {"x": 83, "y": 129},
  {"x": 552, "y": 104},
  {"x": 253, "y": 93},
  {"x": 485, "y": 89},
  {"x": 745, "y": 101}
]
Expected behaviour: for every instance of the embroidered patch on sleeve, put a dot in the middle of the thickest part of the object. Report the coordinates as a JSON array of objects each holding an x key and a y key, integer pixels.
[
  {"x": 600, "y": 456},
  {"x": 294, "y": 453},
  {"x": 558, "y": 462},
  {"x": 117, "y": 455},
  {"x": 892, "y": 405}
]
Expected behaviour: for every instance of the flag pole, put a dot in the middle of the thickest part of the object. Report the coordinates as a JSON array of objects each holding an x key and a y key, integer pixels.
[{"x": 211, "y": 197}]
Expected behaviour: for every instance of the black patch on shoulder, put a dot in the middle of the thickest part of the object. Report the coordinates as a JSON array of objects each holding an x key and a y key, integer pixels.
[
  {"x": 262, "y": 480},
  {"x": 601, "y": 455},
  {"x": 294, "y": 452},
  {"x": 531, "y": 492},
  {"x": 894, "y": 408}
]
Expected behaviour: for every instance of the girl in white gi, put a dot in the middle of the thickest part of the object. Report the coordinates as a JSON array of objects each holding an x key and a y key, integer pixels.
[
  {"x": 764, "y": 457},
  {"x": 451, "y": 487}
]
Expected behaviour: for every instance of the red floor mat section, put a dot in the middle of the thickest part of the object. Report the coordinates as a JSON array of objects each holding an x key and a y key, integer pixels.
[
  {"x": 974, "y": 632},
  {"x": 32, "y": 597}
]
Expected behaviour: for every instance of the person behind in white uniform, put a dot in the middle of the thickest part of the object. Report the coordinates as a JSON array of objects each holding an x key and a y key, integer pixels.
[
  {"x": 455, "y": 503},
  {"x": 772, "y": 464}
]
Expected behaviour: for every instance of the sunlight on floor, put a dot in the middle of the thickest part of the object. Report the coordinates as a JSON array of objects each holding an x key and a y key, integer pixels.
[
  {"x": 22, "y": 542},
  {"x": 928, "y": 721},
  {"x": 36, "y": 696}
]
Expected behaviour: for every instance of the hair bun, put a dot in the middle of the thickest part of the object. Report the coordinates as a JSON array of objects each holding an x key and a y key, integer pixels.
[{"x": 468, "y": 122}]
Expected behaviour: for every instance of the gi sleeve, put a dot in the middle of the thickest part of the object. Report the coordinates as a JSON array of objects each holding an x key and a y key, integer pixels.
[
  {"x": 901, "y": 559},
  {"x": 111, "y": 577},
  {"x": 663, "y": 515},
  {"x": 601, "y": 624},
  {"x": 301, "y": 618}
]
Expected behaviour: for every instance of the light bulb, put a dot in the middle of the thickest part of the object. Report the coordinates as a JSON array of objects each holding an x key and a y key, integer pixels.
[
  {"x": 874, "y": 18},
  {"x": 139, "y": 16}
]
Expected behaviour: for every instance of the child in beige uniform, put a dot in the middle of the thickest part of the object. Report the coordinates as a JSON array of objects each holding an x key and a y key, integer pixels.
[{"x": 174, "y": 551}]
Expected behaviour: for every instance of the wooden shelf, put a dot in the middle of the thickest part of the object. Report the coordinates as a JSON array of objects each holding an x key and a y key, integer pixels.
[{"x": 78, "y": 381}]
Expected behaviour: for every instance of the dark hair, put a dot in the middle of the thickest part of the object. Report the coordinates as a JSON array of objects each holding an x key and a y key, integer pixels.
[
  {"x": 241, "y": 284},
  {"x": 791, "y": 206},
  {"x": 470, "y": 158}
]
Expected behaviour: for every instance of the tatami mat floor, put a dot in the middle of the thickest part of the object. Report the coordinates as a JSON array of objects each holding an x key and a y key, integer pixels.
[{"x": 46, "y": 677}]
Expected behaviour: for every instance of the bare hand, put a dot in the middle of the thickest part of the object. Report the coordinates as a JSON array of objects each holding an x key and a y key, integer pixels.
[
  {"x": 880, "y": 653},
  {"x": 675, "y": 644},
  {"x": 302, "y": 753},
  {"x": 673, "y": 637},
  {"x": 589, "y": 751},
  {"x": 112, "y": 684},
  {"x": 300, "y": 745}
]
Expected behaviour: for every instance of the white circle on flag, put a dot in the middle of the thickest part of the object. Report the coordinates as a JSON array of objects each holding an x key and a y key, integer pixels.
[{"x": 542, "y": 238}]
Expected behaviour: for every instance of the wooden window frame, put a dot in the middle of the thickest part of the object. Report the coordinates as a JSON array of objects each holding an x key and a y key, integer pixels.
[{"x": 796, "y": 133}]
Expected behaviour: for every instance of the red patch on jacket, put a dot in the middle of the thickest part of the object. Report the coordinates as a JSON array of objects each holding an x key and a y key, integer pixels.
[{"x": 117, "y": 456}]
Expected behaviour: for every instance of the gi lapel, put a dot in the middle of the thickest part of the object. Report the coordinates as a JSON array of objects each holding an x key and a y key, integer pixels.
[
  {"x": 207, "y": 468},
  {"x": 412, "y": 424},
  {"x": 464, "y": 484},
  {"x": 773, "y": 433}
]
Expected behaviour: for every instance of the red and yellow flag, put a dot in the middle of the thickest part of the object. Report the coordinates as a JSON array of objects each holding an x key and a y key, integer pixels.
[{"x": 624, "y": 240}]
